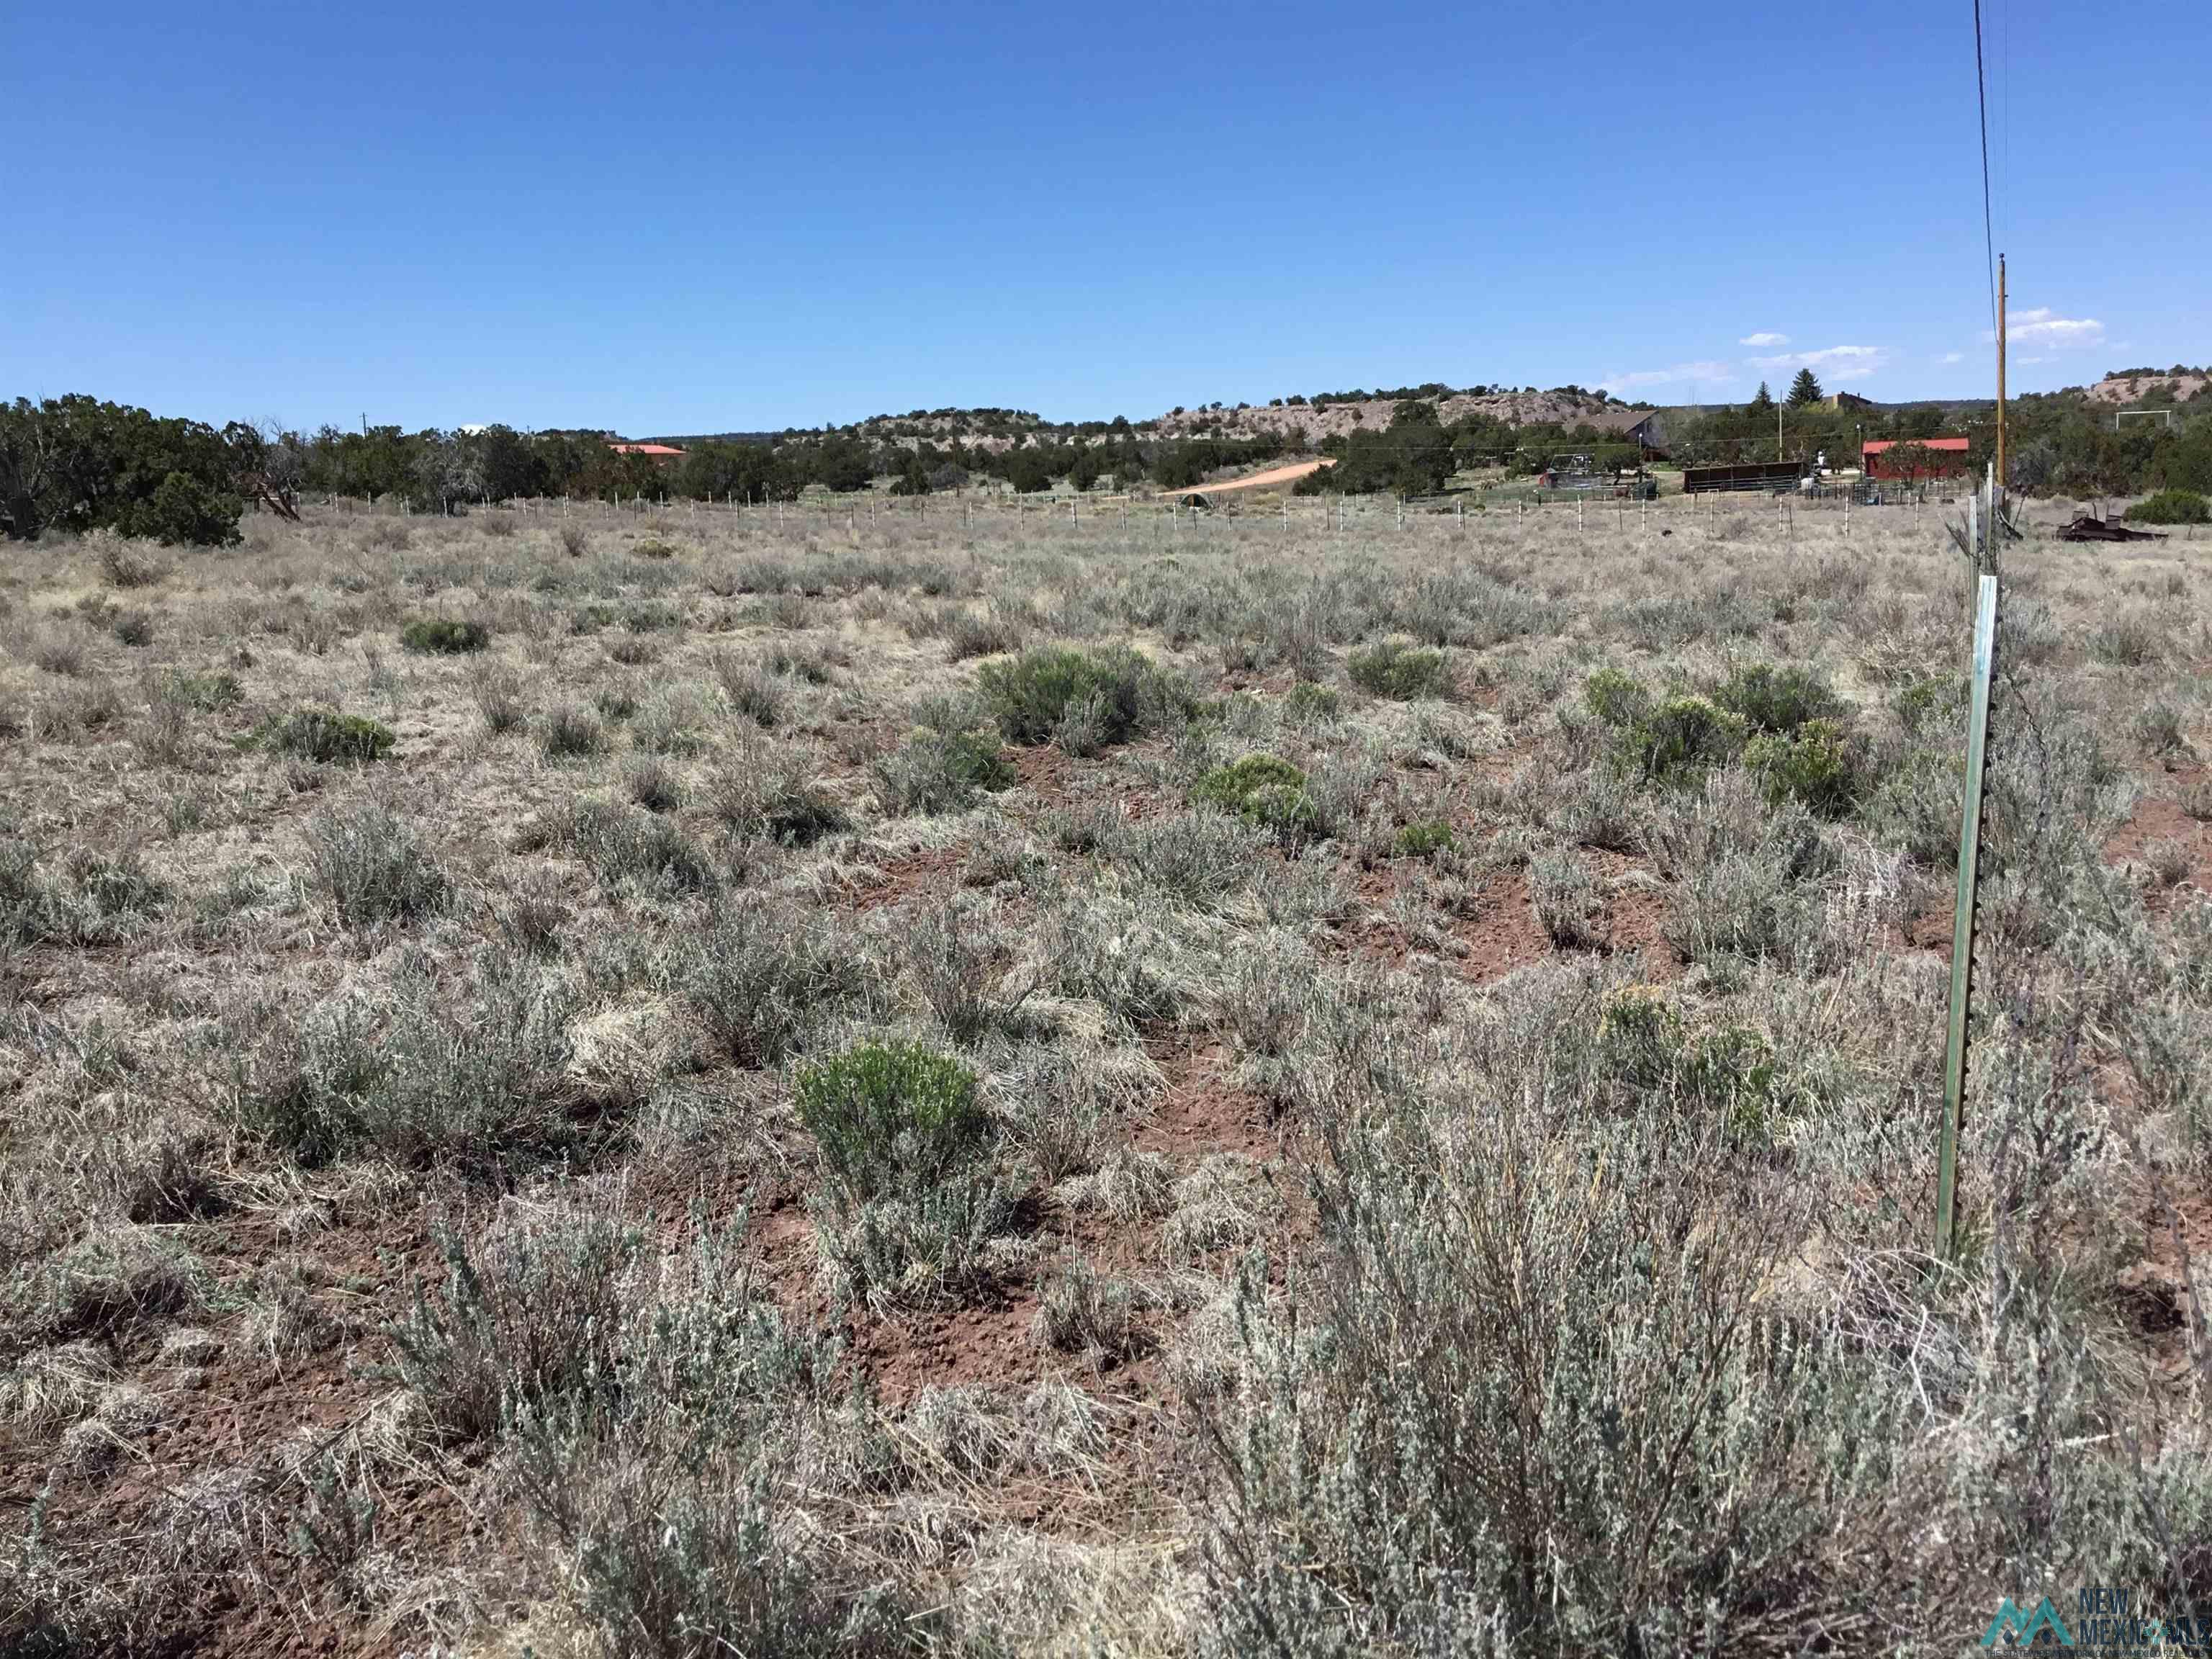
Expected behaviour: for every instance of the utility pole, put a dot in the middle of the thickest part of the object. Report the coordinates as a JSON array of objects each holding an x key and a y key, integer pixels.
[{"x": 2001, "y": 373}]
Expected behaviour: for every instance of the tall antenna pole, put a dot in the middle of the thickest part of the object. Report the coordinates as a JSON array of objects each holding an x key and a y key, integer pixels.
[{"x": 2000, "y": 371}]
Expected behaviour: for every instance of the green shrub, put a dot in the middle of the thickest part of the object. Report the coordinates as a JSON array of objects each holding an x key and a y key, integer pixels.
[
  {"x": 653, "y": 548},
  {"x": 891, "y": 1117},
  {"x": 446, "y": 636},
  {"x": 1311, "y": 703},
  {"x": 1937, "y": 701},
  {"x": 1617, "y": 699},
  {"x": 916, "y": 1198},
  {"x": 2172, "y": 506},
  {"x": 1265, "y": 790},
  {"x": 1683, "y": 736},
  {"x": 323, "y": 735},
  {"x": 1031, "y": 695},
  {"x": 1639, "y": 1035},
  {"x": 1817, "y": 763},
  {"x": 1770, "y": 699},
  {"x": 938, "y": 772},
  {"x": 1400, "y": 672},
  {"x": 1424, "y": 840},
  {"x": 205, "y": 692},
  {"x": 1730, "y": 1070}
]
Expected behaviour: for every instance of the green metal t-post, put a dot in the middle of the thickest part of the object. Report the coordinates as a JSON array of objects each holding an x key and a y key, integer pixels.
[{"x": 1962, "y": 932}]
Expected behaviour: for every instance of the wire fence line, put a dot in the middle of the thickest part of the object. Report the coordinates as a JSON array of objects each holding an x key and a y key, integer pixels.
[{"x": 1588, "y": 510}]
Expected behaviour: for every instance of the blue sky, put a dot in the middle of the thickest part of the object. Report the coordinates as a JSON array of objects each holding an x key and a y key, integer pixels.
[{"x": 669, "y": 219}]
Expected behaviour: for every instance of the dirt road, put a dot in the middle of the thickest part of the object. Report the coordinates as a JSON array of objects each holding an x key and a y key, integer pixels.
[{"x": 1273, "y": 475}]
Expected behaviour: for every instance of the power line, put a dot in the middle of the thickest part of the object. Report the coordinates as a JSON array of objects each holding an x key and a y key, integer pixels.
[{"x": 1989, "y": 236}]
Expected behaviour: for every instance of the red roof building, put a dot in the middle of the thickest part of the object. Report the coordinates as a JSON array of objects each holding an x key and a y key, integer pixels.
[
  {"x": 1940, "y": 457},
  {"x": 658, "y": 454}
]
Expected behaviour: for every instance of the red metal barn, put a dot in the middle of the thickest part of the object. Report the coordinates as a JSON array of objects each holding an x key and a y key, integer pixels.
[{"x": 1944, "y": 457}]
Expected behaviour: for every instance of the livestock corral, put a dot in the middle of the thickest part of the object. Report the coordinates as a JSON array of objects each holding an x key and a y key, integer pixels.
[{"x": 739, "y": 1084}]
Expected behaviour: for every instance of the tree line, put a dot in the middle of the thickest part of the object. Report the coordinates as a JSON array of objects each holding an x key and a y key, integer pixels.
[{"x": 79, "y": 464}]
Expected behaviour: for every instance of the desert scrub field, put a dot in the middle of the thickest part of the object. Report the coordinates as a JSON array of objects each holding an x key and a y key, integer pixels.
[{"x": 703, "y": 1084}]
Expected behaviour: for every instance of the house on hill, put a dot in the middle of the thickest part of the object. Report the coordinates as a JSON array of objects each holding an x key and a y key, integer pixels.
[
  {"x": 1646, "y": 427},
  {"x": 658, "y": 454},
  {"x": 1924, "y": 457}
]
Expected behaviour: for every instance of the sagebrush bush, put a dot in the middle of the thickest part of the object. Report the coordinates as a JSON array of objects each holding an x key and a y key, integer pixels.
[
  {"x": 444, "y": 635},
  {"x": 1082, "y": 1310},
  {"x": 325, "y": 735},
  {"x": 125, "y": 566},
  {"x": 760, "y": 974},
  {"x": 1534, "y": 1368},
  {"x": 1310, "y": 703},
  {"x": 205, "y": 692},
  {"x": 422, "y": 1073},
  {"x": 1402, "y": 672},
  {"x": 2133, "y": 639},
  {"x": 751, "y": 690},
  {"x": 1033, "y": 694},
  {"x": 935, "y": 772},
  {"x": 1564, "y": 897},
  {"x": 653, "y": 783},
  {"x": 533, "y": 1314},
  {"x": 625, "y": 847},
  {"x": 97, "y": 899},
  {"x": 499, "y": 699},
  {"x": 778, "y": 793},
  {"x": 977, "y": 634},
  {"x": 1202, "y": 858},
  {"x": 366, "y": 856}
]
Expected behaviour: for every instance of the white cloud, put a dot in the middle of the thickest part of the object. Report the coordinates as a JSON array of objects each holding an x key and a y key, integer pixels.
[
  {"x": 2043, "y": 326},
  {"x": 1764, "y": 339},
  {"x": 1843, "y": 362},
  {"x": 1952, "y": 357},
  {"x": 1706, "y": 373}
]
